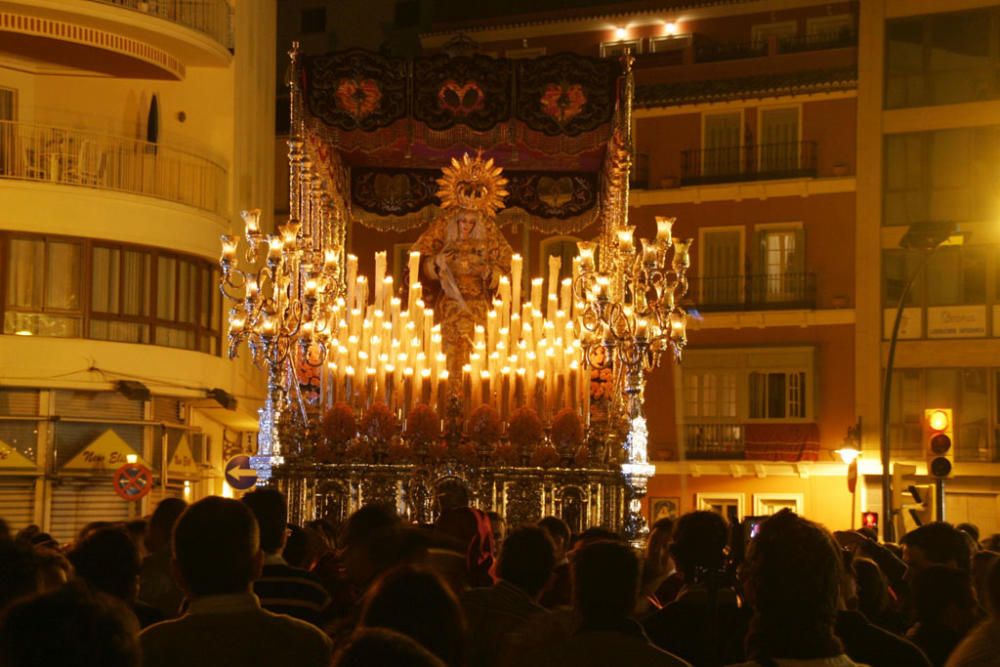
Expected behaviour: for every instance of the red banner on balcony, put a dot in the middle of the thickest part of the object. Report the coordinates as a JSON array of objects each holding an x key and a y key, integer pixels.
[{"x": 782, "y": 442}]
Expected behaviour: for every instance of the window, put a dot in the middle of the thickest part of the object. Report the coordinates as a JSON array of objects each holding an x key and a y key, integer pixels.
[
  {"x": 766, "y": 504},
  {"x": 760, "y": 34},
  {"x": 135, "y": 295},
  {"x": 721, "y": 141},
  {"x": 669, "y": 43},
  {"x": 959, "y": 277},
  {"x": 615, "y": 49},
  {"x": 780, "y": 265},
  {"x": 710, "y": 394},
  {"x": 827, "y": 29},
  {"x": 779, "y": 140},
  {"x": 777, "y": 395},
  {"x": 942, "y": 175},
  {"x": 942, "y": 59},
  {"x": 43, "y": 287},
  {"x": 965, "y": 390},
  {"x": 729, "y": 505},
  {"x": 313, "y": 20},
  {"x": 721, "y": 278}
]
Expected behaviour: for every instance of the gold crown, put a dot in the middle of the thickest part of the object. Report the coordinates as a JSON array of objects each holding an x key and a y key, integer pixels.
[{"x": 472, "y": 184}]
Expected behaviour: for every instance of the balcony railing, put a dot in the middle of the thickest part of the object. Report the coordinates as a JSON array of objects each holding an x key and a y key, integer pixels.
[
  {"x": 749, "y": 162},
  {"x": 841, "y": 39},
  {"x": 88, "y": 159},
  {"x": 211, "y": 17},
  {"x": 714, "y": 441},
  {"x": 773, "y": 291}
]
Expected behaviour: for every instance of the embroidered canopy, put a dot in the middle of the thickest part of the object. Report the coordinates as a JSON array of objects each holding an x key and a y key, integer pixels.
[{"x": 394, "y": 122}]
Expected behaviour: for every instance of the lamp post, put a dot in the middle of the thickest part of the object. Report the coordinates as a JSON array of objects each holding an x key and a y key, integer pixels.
[
  {"x": 849, "y": 453},
  {"x": 927, "y": 237}
]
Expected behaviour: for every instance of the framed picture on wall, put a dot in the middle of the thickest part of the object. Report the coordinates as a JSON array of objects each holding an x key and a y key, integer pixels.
[{"x": 664, "y": 508}]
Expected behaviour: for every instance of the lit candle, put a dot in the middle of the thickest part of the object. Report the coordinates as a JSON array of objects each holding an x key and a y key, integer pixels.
[
  {"x": 414, "y": 267},
  {"x": 407, "y": 389},
  {"x": 650, "y": 252},
  {"x": 519, "y": 381},
  {"x": 536, "y": 292},
  {"x": 228, "y": 248},
  {"x": 515, "y": 282},
  {"x": 484, "y": 387},
  {"x": 505, "y": 392},
  {"x": 348, "y": 385},
  {"x": 664, "y": 225},
  {"x": 566, "y": 298},
  {"x": 540, "y": 394},
  {"x": 390, "y": 384},
  {"x": 369, "y": 396},
  {"x": 351, "y": 280},
  {"x": 442, "y": 393},
  {"x": 252, "y": 220},
  {"x": 467, "y": 387},
  {"x": 625, "y": 238},
  {"x": 274, "y": 246},
  {"x": 586, "y": 249},
  {"x": 574, "y": 384},
  {"x": 682, "y": 258},
  {"x": 555, "y": 266},
  {"x": 426, "y": 386},
  {"x": 379, "y": 278}
]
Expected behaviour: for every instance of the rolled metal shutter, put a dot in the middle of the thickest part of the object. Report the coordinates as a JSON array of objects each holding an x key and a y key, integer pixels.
[
  {"x": 75, "y": 504},
  {"x": 17, "y": 501}
]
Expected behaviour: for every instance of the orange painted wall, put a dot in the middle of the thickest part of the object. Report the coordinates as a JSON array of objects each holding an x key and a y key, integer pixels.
[{"x": 826, "y": 499}]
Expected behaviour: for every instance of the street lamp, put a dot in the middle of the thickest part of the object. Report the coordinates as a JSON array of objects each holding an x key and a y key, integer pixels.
[
  {"x": 927, "y": 237},
  {"x": 849, "y": 453}
]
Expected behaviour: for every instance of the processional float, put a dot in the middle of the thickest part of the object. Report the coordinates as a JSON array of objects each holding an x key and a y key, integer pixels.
[{"x": 527, "y": 392}]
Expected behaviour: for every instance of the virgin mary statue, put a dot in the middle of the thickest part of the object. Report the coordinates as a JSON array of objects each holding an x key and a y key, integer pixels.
[{"x": 463, "y": 253}]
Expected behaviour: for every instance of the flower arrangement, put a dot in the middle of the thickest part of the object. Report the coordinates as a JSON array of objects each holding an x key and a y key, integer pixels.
[
  {"x": 399, "y": 452},
  {"x": 358, "y": 452},
  {"x": 423, "y": 423},
  {"x": 545, "y": 456},
  {"x": 324, "y": 454},
  {"x": 467, "y": 454},
  {"x": 437, "y": 451},
  {"x": 484, "y": 424},
  {"x": 506, "y": 454},
  {"x": 339, "y": 424},
  {"x": 378, "y": 423},
  {"x": 525, "y": 428},
  {"x": 567, "y": 429}
]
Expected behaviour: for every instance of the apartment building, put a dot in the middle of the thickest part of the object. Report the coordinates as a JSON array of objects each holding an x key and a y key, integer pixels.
[{"x": 131, "y": 134}]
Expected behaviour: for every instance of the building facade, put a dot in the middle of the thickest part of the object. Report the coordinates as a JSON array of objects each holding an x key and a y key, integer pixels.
[
  {"x": 928, "y": 152},
  {"x": 131, "y": 134}
]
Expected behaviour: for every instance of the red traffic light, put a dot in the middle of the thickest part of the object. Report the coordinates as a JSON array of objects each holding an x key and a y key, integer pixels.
[{"x": 869, "y": 520}]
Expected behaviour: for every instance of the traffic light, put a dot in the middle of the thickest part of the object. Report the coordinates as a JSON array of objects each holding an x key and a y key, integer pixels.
[
  {"x": 921, "y": 509},
  {"x": 869, "y": 520},
  {"x": 939, "y": 438}
]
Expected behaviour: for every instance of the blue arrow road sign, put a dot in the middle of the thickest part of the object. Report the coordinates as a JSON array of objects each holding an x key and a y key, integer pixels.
[{"x": 239, "y": 474}]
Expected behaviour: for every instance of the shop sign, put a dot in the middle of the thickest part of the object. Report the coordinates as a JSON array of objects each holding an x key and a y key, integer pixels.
[
  {"x": 11, "y": 458},
  {"x": 107, "y": 452},
  {"x": 909, "y": 327},
  {"x": 956, "y": 322}
]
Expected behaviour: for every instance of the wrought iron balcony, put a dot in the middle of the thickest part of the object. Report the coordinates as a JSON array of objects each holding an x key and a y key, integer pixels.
[
  {"x": 748, "y": 162},
  {"x": 714, "y": 441},
  {"x": 777, "y": 291},
  {"x": 89, "y": 159},
  {"x": 211, "y": 17}
]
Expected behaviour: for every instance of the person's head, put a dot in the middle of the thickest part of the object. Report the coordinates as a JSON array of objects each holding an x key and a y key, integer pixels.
[
  {"x": 943, "y": 595},
  {"x": 368, "y": 647},
  {"x": 268, "y": 507},
  {"x": 451, "y": 494},
  {"x": 699, "y": 544},
  {"x": 937, "y": 543},
  {"x": 871, "y": 587},
  {"x": 384, "y": 550},
  {"x": 869, "y": 532},
  {"x": 595, "y": 534},
  {"x": 108, "y": 560},
  {"x": 92, "y": 527},
  {"x": 993, "y": 589},
  {"x": 467, "y": 221},
  {"x": 136, "y": 530},
  {"x": 216, "y": 548},
  {"x": 605, "y": 581},
  {"x": 364, "y": 522},
  {"x": 161, "y": 524},
  {"x": 420, "y": 605},
  {"x": 20, "y": 575},
  {"x": 982, "y": 565},
  {"x": 296, "y": 551},
  {"x": 499, "y": 526},
  {"x": 559, "y": 531},
  {"x": 467, "y": 529},
  {"x": 527, "y": 559},
  {"x": 69, "y": 627},
  {"x": 992, "y": 543},
  {"x": 658, "y": 544},
  {"x": 792, "y": 578},
  {"x": 970, "y": 529},
  {"x": 54, "y": 567}
]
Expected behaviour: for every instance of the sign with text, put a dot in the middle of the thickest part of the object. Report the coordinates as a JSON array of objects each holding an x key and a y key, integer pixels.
[
  {"x": 182, "y": 462},
  {"x": 910, "y": 327},
  {"x": 956, "y": 322},
  {"x": 107, "y": 452},
  {"x": 11, "y": 458}
]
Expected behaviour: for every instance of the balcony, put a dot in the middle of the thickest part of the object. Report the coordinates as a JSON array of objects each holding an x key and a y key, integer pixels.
[
  {"x": 210, "y": 17},
  {"x": 778, "y": 291},
  {"x": 749, "y": 162},
  {"x": 704, "y": 442},
  {"x": 789, "y": 442},
  {"x": 120, "y": 164}
]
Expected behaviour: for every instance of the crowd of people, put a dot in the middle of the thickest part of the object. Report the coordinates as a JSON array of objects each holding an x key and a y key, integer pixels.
[{"x": 229, "y": 582}]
